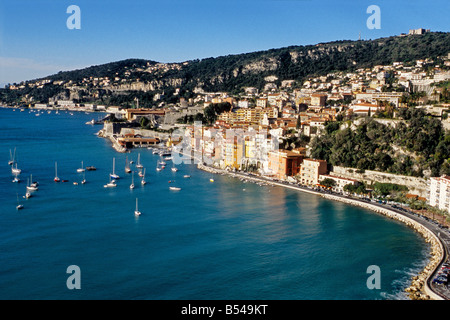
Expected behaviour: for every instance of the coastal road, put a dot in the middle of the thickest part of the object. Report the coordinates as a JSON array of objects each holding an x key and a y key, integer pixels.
[{"x": 442, "y": 233}]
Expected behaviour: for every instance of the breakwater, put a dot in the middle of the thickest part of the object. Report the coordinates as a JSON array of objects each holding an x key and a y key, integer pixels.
[{"x": 419, "y": 288}]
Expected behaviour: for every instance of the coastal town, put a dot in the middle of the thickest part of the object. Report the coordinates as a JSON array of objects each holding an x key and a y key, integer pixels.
[{"x": 271, "y": 134}]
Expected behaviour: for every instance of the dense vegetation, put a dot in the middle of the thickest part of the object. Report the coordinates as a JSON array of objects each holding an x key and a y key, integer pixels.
[
  {"x": 415, "y": 146},
  {"x": 233, "y": 72}
]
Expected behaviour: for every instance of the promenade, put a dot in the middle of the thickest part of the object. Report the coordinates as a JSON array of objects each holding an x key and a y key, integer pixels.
[{"x": 422, "y": 287}]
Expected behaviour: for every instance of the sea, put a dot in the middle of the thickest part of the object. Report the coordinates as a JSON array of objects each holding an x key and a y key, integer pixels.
[{"x": 221, "y": 240}]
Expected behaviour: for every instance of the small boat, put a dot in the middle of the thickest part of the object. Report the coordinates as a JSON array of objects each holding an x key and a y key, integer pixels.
[
  {"x": 186, "y": 176},
  {"x": 143, "y": 182},
  {"x": 162, "y": 163},
  {"x": 11, "y": 157},
  {"x": 19, "y": 206},
  {"x": 137, "y": 212},
  {"x": 175, "y": 188},
  {"x": 16, "y": 179},
  {"x": 32, "y": 187},
  {"x": 158, "y": 169},
  {"x": 56, "y": 179},
  {"x": 174, "y": 169},
  {"x": 16, "y": 170},
  {"x": 84, "y": 178},
  {"x": 168, "y": 158},
  {"x": 212, "y": 180},
  {"x": 139, "y": 165},
  {"x": 113, "y": 174},
  {"x": 27, "y": 195},
  {"x": 132, "y": 181},
  {"x": 127, "y": 166},
  {"x": 81, "y": 169},
  {"x": 33, "y": 184},
  {"x": 111, "y": 184},
  {"x": 91, "y": 168},
  {"x": 155, "y": 152}
]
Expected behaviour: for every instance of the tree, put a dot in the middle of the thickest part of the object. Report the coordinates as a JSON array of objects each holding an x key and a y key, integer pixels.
[{"x": 327, "y": 182}]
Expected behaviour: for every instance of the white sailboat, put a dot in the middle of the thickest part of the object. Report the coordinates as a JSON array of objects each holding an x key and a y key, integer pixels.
[
  {"x": 127, "y": 166},
  {"x": 113, "y": 174},
  {"x": 137, "y": 212},
  {"x": 16, "y": 170},
  {"x": 56, "y": 179},
  {"x": 143, "y": 182},
  {"x": 84, "y": 178},
  {"x": 28, "y": 193},
  {"x": 139, "y": 165},
  {"x": 82, "y": 168},
  {"x": 11, "y": 157},
  {"x": 111, "y": 184},
  {"x": 31, "y": 186},
  {"x": 132, "y": 181},
  {"x": 19, "y": 206}
]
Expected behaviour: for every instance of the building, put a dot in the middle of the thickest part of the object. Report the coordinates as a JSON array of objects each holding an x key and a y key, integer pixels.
[
  {"x": 340, "y": 182},
  {"x": 440, "y": 192},
  {"x": 318, "y": 99},
  {"x": 418, "y": 31},
  {"x": 284, "y": 163},
  {"x": 311, "y": 169}
]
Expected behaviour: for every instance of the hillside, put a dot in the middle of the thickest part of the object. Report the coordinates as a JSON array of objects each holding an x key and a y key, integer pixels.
[{"x": 229, "y": 73}]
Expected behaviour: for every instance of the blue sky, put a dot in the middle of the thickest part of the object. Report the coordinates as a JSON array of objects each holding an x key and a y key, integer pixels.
[{"x": 35, "y": 41}]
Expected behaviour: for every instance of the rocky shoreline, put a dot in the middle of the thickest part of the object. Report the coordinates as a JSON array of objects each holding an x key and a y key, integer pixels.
[{"x": 419, "y": 289}]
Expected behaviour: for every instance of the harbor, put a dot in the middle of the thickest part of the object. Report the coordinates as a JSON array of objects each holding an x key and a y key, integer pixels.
[{"x": 189, "y": 218}]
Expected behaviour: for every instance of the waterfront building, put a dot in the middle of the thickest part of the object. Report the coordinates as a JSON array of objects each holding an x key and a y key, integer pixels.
[
  {"x": 440, "y": 192},
  {"x": 284, "y": 163},
  {"x": 340, "y": 182},
  {"x": 310, "y": 170}
]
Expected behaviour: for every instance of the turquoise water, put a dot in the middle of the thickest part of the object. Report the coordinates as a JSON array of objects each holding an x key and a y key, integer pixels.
[{"x": 221, "y": 240}]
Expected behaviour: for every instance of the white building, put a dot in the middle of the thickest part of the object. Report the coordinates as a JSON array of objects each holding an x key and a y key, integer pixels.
[{"x": 440, "y": 192}]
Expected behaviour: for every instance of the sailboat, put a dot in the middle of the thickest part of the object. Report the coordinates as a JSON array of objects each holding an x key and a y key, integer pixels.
[
  {"x": 56, "y": 179},
  {"x": 16, "y": 179},
  {"x": 111, "y": 184},
  {"x": 19, "y": 206},
  {"x": 84, "y": 178},
  {"x": 127, "y": 166},
  {"x": 82, "y": 168},
  {"x": 16, "y": 170},
  {"x": 31, "y": 186},
  {"x": 132, "y": 181},
  {"x": 27, "y": 194},
  {"x": 137, "y": 212},
  {"x": 113, "y": 174},
  {"x": 139, "y": 165},
  {"x": 11, "y": 157},
  {"x": 143, "y": 182}
]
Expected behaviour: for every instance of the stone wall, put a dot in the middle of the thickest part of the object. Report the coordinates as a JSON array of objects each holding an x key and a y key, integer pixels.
[{"x": 416, "y": 185}]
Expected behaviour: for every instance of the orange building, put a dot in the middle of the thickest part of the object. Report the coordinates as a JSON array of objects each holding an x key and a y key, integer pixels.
[{"x": 284, "y": 163}]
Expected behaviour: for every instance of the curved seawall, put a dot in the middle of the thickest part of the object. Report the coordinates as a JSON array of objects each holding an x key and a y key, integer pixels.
[{"x": 419, "y": 288}]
